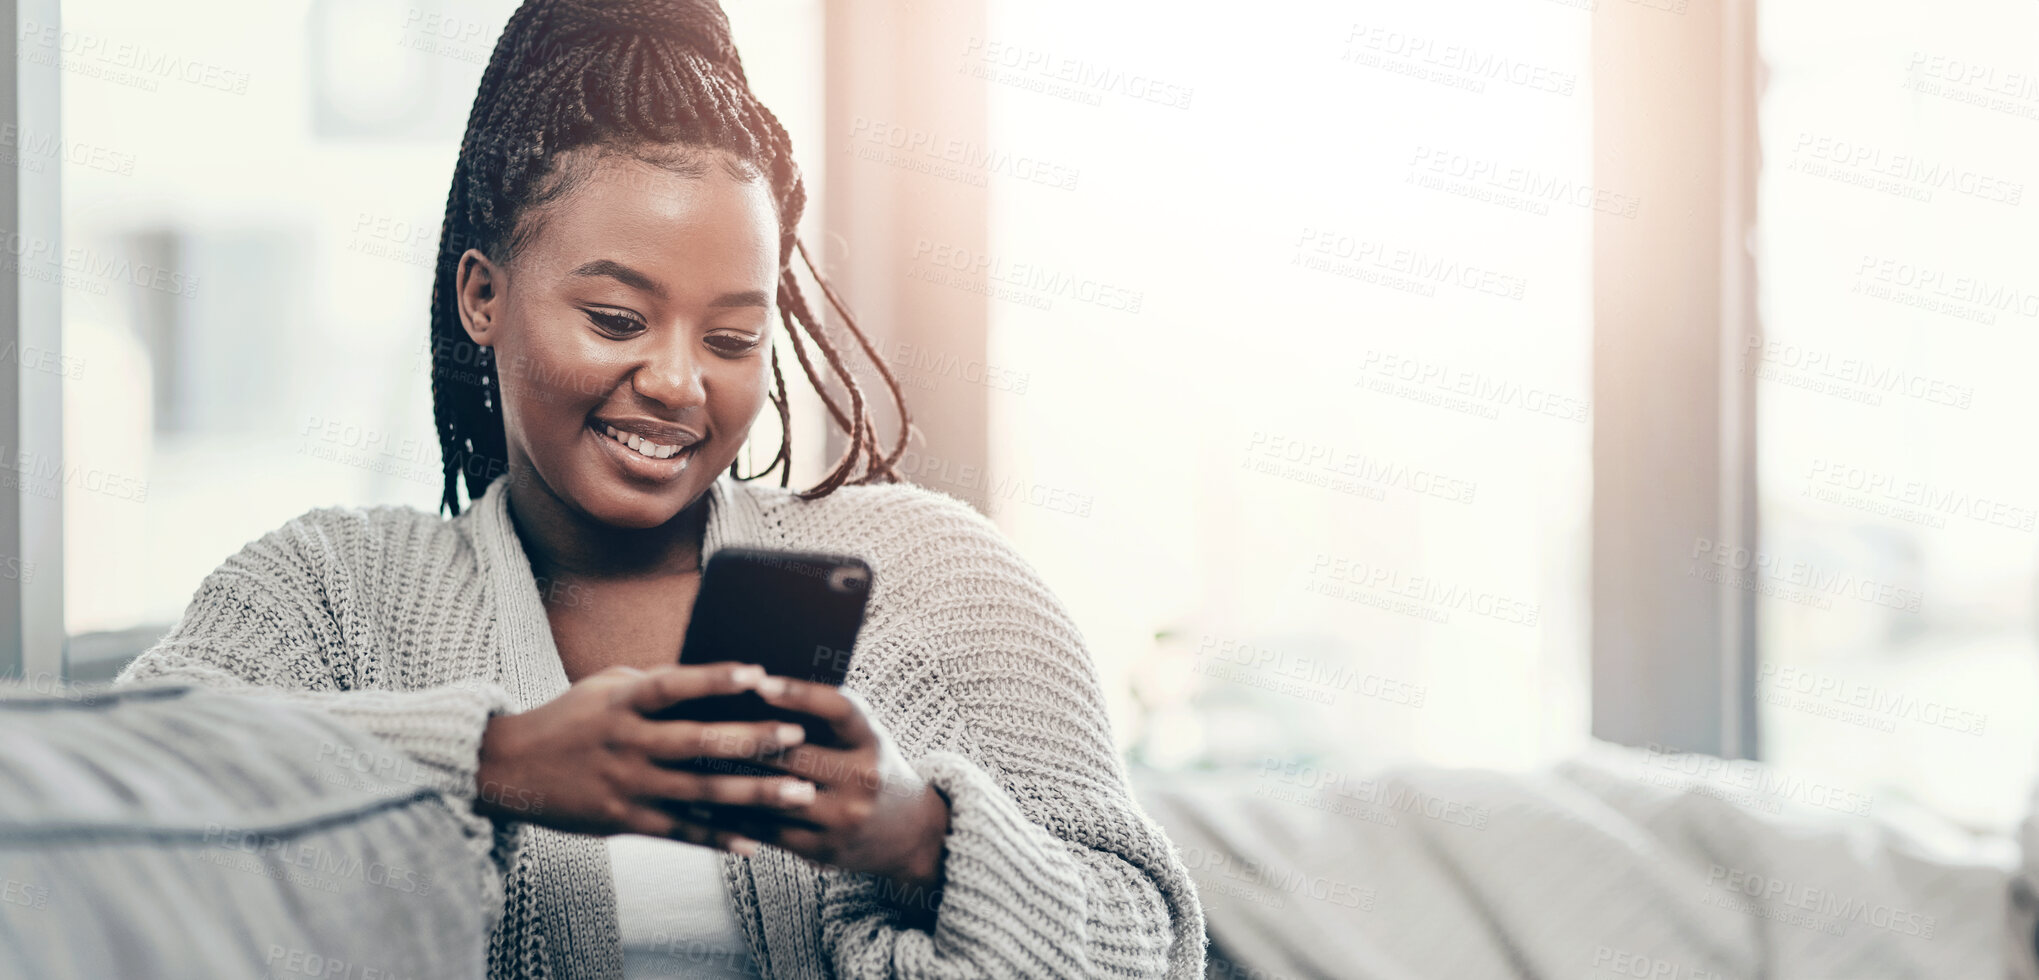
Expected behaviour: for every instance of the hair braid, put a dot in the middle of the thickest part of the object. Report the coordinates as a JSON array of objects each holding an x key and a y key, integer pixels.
[{"x": 660, "y": 79}]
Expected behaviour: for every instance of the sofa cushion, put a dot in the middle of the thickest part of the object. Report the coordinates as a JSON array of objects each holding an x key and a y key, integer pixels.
[{"x": 157, "y": 830}]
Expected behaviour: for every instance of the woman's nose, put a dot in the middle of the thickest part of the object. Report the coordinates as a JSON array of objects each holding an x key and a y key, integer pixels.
[{"x": 670, "y": 373}]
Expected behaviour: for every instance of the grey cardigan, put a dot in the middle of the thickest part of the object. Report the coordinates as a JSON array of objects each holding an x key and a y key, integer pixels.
[{"x": 418, "y": 628}]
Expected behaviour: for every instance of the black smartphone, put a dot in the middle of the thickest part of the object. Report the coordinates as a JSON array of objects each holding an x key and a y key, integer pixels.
[{"x": 796, "y": 614}]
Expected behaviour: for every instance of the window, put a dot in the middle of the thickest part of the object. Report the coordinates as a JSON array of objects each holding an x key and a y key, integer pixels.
[
  {"x": 1302, "y": 314},
  {"x": 1898, "y": 312}
]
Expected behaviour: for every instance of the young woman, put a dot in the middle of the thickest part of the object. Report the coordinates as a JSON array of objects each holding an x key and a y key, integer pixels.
[{"x": 618, "y": 241}]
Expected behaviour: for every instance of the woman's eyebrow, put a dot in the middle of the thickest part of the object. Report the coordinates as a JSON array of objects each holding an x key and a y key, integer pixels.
[
  {"x": 623, "y": 274},
  {"x": 749, "y": 297},
  {"x": 644, "y": 283}
]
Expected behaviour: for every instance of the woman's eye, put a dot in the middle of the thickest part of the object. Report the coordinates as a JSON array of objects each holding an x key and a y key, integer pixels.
[
  {"x": 615, "y": 323},
  {"x": 729, "y": 344}
]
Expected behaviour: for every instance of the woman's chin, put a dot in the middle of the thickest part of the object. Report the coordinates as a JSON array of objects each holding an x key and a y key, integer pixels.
[
  {"x": 626, "y": 506},
  {"x": 636, "y": 520}
]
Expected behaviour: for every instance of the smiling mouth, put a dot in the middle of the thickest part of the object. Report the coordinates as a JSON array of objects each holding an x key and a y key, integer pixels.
[{"x": 641, "y": 447}]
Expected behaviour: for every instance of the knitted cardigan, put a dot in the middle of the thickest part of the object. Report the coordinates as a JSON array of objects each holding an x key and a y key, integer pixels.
[{"x": 419, "y": 628}]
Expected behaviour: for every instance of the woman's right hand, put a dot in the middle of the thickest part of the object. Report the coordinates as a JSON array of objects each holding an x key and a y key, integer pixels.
[{"x": 588, "y": 761}]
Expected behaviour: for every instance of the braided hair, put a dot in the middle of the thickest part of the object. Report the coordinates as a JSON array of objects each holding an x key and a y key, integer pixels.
[{"x": 659, "y": 79}]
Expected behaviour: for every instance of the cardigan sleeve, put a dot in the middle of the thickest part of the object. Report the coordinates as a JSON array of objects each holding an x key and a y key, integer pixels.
[
  {"x": 1051, "y": 869},
  {"x": 268, "y": 623}
]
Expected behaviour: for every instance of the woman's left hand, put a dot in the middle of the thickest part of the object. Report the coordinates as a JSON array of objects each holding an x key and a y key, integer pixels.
[{"x": 871, "y": 812}]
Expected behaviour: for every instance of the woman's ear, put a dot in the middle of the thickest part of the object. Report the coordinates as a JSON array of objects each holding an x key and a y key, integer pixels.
[{"x": 478, "y": 290}]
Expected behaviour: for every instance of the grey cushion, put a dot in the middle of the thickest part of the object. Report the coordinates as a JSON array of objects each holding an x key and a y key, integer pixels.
[{"x": 163, "y": 831}]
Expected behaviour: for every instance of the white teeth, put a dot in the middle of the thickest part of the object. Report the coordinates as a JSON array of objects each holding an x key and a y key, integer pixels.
[{"x": 641, "y": 445}]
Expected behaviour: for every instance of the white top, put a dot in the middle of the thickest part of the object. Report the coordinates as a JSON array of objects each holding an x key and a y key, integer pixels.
[{"x": 673, "y": 911}]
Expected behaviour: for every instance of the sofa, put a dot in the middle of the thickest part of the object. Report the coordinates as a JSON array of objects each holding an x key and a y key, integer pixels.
[{"x": 159, "y": 830}]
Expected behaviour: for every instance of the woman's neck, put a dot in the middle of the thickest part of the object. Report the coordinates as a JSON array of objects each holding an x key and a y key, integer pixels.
[{"x": 563, "y": 543}]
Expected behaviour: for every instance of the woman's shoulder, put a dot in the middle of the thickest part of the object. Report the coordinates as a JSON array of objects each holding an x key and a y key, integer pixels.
[
  {"x": 365, "y": 537},
  {"x": 887, "y": 515},
  {"x": 907, "y": 532},
  {"x": 881, "y": 501},
  {"x": 953, "y": 598}
]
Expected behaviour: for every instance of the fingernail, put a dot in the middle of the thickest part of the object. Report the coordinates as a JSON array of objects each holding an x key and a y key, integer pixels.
[
  {"x": 791, "y": 734},
  {"x": 743, "y": 845},
  {"x": 772, "y": 686},
  {"x": 747, "y": 674},
  {"x": 796, "y": 792}
]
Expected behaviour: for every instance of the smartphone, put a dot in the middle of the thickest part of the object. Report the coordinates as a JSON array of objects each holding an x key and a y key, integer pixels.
[{"x": 796, "y": 614}]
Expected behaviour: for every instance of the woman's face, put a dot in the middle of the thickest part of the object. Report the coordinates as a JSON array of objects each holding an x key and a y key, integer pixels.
[{"x": 641, "y": 306}]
